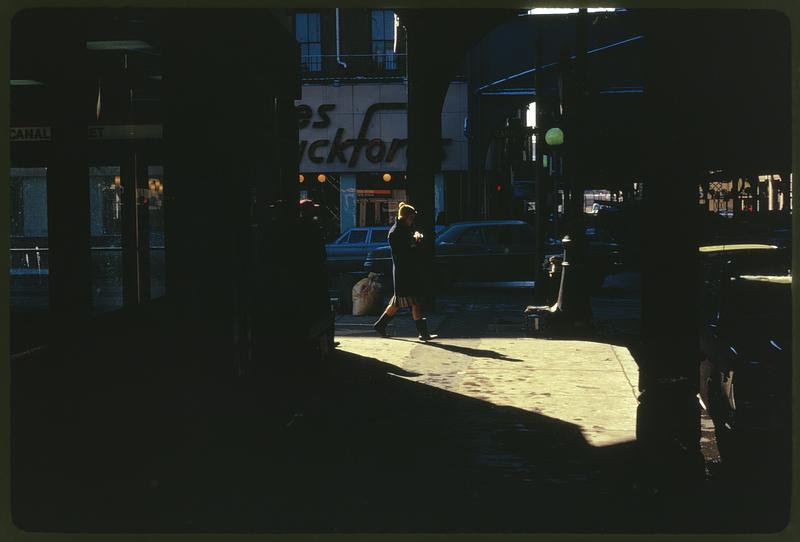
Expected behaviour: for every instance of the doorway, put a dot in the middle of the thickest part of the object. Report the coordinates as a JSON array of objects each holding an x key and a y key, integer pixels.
[{"x": 126, "y": 238}]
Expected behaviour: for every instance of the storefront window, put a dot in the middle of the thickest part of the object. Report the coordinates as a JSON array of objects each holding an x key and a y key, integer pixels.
[
  {"x": 105, "y": 193},
  {"x": 29, "y": 239},
  {"x": 155, "y": 212}
]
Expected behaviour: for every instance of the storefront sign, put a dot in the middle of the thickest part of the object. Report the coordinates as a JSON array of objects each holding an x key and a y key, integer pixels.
[
  {"x": 94, "y": 133},
  {"x": 362, "y": 128},
  {"x": 30, "y": 133},
  {"x": 140, "y": 131},
  {"x": 375, "y": 150}
]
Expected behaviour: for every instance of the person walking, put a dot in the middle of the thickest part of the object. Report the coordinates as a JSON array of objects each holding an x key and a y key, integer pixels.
[{"x": 404, "y": 242}]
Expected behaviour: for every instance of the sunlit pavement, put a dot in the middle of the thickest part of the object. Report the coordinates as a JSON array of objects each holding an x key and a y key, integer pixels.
[
  {"x": 484, "y": 353},
  {"x": 589, "y": 384}
]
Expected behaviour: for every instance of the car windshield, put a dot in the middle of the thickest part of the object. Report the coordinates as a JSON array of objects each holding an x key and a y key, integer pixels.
[
  {"x": 767, "y": 298},
  {"x": 760, "y": 284},
  {"x": 764, "y": 262}
]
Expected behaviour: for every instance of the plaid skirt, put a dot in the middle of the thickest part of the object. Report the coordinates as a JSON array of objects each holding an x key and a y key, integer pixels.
[{"x": 403, "y": 302}]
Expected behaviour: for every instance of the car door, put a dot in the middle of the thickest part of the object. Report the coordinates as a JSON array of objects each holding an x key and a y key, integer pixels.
[
  {"x": 523, "y": 252},
  {"x": 349, "y": 250},
  {"x": 356, "y": 248},
  {"x": 463, "y": 259},
  {"x": 500, "y": 260},
  {"x": 378, "y": 237}
]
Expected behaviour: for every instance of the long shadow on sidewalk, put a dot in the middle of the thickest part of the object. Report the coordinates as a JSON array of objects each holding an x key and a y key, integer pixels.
[
  {"x": 464, "y": 350},
  {"x": 355, "y": 447}
]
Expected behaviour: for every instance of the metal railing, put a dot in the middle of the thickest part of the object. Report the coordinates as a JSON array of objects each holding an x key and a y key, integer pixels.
[
  {"x": 356, "y": 66},
  {"x": 29, "y": 262}
]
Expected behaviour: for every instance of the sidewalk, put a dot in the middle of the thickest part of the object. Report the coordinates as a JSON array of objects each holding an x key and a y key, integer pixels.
[
  {"x": 483, "y": 430},
  {"x": 486, "y": 355}
]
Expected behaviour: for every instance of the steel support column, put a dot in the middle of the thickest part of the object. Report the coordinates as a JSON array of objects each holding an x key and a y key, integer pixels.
[
  {"x": 70, "y": 93},
  {"x": 668, "y": 420},
  {"x": 427, "y": 88}
]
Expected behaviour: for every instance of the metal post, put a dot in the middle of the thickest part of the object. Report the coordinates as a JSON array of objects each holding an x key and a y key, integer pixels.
[
  {"x": 424, "y": 141},
  {"x": 540, "y": 292},
  {"x": 575, "y": 295}
]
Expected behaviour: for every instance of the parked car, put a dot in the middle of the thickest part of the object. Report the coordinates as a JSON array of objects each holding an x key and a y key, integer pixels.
[
  {"x": 348, "y": 252},
  {"x": 745, "y": 339},
  {"x": 604, "y": 254},
  {"x": 488, "y": 250}
]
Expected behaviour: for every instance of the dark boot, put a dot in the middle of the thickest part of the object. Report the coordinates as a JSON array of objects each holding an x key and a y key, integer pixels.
[
  {"x": 422, "y": 328},
  {"x": 380, "y": 325}
]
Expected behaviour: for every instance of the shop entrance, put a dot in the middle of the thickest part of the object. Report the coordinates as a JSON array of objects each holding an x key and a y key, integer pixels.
[
  {"x": 126, "y": 225},
  {"x": 378, "y": 207},
  {"x": 126, "y": 237}
]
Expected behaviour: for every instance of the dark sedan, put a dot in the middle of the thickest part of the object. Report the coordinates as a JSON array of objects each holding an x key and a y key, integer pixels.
[
  {"x": 745, "y": 376},
  {"x": 475, "y": 251}
]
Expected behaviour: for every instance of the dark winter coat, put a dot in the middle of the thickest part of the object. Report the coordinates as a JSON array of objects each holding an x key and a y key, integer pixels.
[{"x": 405, "y": 261}]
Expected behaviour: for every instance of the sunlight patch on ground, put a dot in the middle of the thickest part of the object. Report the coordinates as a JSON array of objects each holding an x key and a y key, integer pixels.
[{"x": 589, "y": 384}]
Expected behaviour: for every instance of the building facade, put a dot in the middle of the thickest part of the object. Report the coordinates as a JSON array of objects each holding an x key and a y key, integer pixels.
[{"x": 353, "y": 123}]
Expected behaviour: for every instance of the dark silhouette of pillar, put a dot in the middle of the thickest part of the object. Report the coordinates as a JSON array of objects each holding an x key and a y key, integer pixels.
[
  {"x": 426, "y": 91},
  {"x": 71, "y": 90},
  {"x": 668, "y": 421}
]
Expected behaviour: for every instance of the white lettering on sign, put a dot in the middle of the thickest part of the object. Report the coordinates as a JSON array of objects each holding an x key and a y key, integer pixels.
[
  {"x": 124, "y": 131},
  {"x": 30, "y": 133},
  {"x": 94, "y": 133}
]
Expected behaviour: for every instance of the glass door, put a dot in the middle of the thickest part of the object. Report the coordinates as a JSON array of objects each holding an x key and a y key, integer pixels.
[
  {"x": 152, "y": 247},
  {"x": 126, "y": 189},
  {"x": 106, "y": 201}
]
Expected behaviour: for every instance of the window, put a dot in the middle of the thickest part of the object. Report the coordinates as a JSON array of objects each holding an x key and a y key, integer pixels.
[
  {"x": 29, "y": 255},
  {"x": 472, "y": 236},
  {"x": 105, "y": 193},
  {"x": 383, "y": 39},
  {"x": 358, "y": 236},
  {"x": 500, "y": 235},
  {"x": 380, "y": 236},
  {"x": 306, "y": 31}
]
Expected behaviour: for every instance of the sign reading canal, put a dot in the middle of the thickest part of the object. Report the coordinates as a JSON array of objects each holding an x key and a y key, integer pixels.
[{"x": 30, "y": 133}]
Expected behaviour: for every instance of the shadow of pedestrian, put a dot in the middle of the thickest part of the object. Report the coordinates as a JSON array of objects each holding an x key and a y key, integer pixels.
[
  {"x": 464, "y": 350},
  {"x": 358, "y": 363}
]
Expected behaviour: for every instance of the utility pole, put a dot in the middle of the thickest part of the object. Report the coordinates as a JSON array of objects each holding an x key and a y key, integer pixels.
[
  {"x": 576, "y": 302},
  {"x": 573, "y": 306}
]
